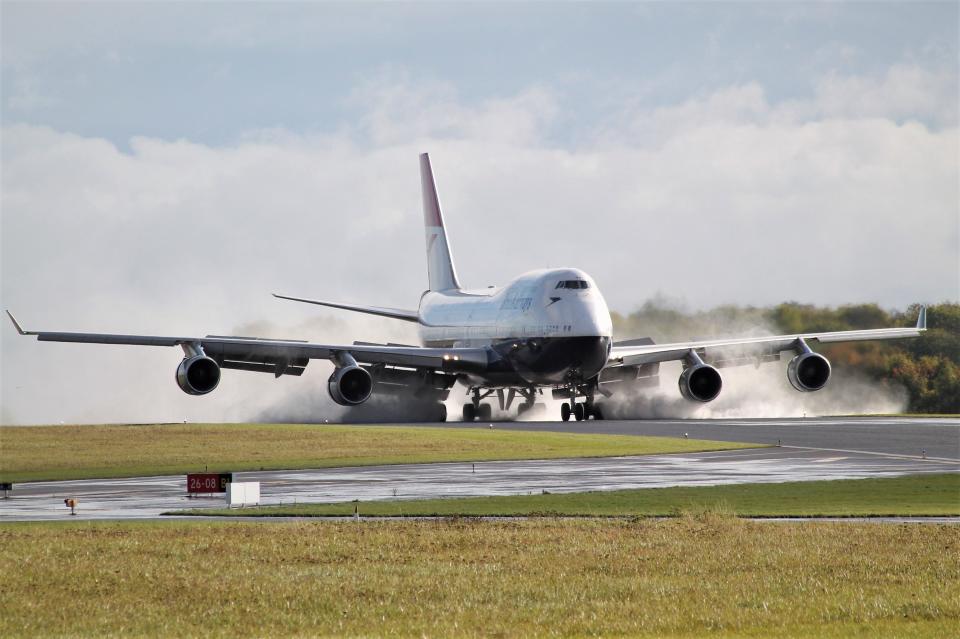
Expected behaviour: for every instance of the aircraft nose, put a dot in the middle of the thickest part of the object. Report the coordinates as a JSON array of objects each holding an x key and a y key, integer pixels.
[{"x": 593, "y": 316}]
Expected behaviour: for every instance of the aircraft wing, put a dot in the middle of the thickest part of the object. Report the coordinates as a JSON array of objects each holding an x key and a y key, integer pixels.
[
  {"x": 285, "y": 356},
  {"x": 751, "y": 350}
]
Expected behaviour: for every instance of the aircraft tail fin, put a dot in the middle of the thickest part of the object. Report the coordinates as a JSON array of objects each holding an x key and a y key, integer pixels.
[{"x": 441, "y": 273}]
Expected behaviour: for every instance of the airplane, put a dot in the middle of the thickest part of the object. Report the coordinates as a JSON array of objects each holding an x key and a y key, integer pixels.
[{"x": 548, "y": 329}]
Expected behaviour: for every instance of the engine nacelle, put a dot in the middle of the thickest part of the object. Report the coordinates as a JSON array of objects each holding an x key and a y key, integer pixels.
[
  {"x": 808, "y": 372},
  {"x": 700, "y": 383},
  {"x": 350, "y": 385},
  {"x": 198, "y": 375}
]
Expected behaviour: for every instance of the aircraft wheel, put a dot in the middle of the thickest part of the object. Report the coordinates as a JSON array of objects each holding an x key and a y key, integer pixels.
[
  {"x": 441, "y": 412},
  {"x": 485, "y": 412},
  {"x": 579, "y": 412},
  {"x": 469, "y": 412},
  {"x": 565, "y": 412},
  {"x": 597, "y": 412}
]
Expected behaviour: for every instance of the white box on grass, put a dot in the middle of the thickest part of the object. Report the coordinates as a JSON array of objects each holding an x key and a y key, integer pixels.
[{"x": 243, "y": 493}]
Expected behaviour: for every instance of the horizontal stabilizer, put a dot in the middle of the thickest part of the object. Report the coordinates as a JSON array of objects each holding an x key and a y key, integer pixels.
[
  {"x": 393, "y": 313},
  {"x": 639, "y": 341}
]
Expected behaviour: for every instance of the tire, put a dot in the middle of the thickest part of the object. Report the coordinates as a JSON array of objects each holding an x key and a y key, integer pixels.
[
  {"x": 441, "y": 412},
  {"x": 597, "y": 412},
  {"x": 469, "y": 413},
  {"x": 485, "y": 412},
  {"x": 565, "y": 412},
  {"x": 579, "y": 411}
]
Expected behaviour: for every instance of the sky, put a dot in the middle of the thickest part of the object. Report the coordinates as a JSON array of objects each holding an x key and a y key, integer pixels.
[{"x": 166, "y": 166}]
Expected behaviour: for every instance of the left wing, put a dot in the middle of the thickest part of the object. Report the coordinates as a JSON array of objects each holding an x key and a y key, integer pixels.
[
  {"x": 285, "y": 357},
  {"x": 734, "y": 352}
]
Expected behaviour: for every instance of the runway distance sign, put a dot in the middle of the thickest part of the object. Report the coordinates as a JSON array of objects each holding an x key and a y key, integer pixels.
[{"x": 208, "y": 482}]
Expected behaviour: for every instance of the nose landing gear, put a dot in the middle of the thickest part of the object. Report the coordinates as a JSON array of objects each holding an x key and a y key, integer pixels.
[
  {"x": 582, "y": 410},
  {"x": 475, "y": 410},
  {"x": 579, "y": 411},
  {"x": 483, "y": 412}
]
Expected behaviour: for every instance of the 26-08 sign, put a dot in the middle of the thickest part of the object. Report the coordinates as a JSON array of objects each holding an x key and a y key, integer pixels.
[{"x": 208, "y": 482}]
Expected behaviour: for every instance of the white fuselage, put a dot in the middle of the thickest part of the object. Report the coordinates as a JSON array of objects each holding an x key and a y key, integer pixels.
[{"x": 535, "y": 305}]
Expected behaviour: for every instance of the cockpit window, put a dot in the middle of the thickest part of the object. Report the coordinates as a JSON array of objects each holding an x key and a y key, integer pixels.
[{"x": 573, "y": 284}]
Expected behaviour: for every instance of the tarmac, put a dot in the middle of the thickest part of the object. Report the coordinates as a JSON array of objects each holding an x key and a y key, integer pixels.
[{"x": 810, "y": 449}]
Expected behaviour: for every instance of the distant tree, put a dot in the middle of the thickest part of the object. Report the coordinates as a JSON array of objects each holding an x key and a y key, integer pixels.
[{"x": 864, "y": 316}]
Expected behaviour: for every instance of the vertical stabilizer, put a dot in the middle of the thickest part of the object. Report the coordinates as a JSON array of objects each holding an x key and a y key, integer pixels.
[{"x": 440, "y": 269}]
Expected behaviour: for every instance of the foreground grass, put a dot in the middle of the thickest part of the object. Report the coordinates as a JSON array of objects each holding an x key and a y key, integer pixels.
[
  {"x": 681, "y": 577},
  {"x": 32, "y": 453},
  {"x": 910, "y": 495}
]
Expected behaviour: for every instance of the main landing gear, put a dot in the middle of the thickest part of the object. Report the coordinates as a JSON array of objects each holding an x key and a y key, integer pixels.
[{"x": 475, "y": 410}]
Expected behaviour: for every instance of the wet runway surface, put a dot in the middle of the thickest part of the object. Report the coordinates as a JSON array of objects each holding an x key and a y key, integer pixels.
[
  {"x": 894, "y": 435},
  {"x": 830, "y": 456}
]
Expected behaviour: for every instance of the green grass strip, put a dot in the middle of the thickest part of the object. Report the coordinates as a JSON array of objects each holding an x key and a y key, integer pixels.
[
  {"x": 700, "y": 576},
  {"x": 910, "y": 495},
  {"x": 34, "y": 453}
]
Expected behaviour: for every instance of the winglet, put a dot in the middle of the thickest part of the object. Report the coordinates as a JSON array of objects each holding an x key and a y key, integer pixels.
[
  {"x": 922, "y": 319},
  {"x": 16, "y": 325}
]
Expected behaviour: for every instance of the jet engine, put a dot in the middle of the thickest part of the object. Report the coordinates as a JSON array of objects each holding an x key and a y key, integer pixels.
[
  {"x": 349, "y": 384},
  {"x": 700, "y": 382},
  {"x": 198, "y": 375},
  {"x": 808, "y": 371}
]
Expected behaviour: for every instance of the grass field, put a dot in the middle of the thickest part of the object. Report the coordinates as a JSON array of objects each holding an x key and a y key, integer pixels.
[
  {"x": 910, "y": 495},
  {"x": 81, "y": 452},
  {"x": 683, "y": 577}
]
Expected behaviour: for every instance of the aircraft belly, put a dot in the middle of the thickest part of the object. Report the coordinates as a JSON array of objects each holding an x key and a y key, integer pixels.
[{"x": 539, "y": 361}]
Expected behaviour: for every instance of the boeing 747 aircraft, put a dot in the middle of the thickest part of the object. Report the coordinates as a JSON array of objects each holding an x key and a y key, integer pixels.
[{"x": 545, "y": 330}]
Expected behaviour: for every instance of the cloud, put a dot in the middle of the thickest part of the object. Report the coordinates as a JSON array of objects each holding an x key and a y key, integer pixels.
[
  {"x": 28, "y": 96},
  {"x": 397, "y": 111},
  {"x": 725, "y": 197},
  {"x": 902, "y": 93}
]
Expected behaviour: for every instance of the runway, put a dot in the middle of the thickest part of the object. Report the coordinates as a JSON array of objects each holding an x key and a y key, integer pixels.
[
  {"x": 830, "y": 457},
  {"x": 938, "y": 437}
]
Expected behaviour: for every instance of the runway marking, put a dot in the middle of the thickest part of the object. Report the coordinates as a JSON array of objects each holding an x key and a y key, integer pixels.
[
  {"x": 935, "y": 460},
  {"x": 824, "y": 460}
]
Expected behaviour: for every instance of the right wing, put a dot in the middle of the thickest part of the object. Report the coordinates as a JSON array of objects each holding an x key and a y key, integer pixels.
[
  {"x": 285, "y": 357},
  {"x": 733, "y": 352}
]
